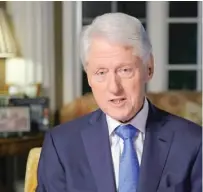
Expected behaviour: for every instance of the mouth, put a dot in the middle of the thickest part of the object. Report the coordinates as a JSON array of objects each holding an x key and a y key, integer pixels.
[{"x": 118, "y": 101}]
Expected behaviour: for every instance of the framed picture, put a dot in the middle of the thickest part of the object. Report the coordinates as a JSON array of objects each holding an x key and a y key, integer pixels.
[
  {"x": 39, "y": 111},
  {"x": 14, "y": 119}
]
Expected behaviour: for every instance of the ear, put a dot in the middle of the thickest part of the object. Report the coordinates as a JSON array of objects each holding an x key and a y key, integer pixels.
[
  {"x": 88, "y": 77},
  {"x": 150, "y": 68},
  {"x": 89, "y": 82}
]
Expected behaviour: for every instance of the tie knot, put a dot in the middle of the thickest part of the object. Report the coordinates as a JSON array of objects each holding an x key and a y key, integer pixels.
[{"x": 126, "y": 131}]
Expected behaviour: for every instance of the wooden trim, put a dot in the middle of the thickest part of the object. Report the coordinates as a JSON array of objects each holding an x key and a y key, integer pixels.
[
  {"x": 3, "y": 4},
  {"x": 58, "y": 53},
  {"x": 2, "y": 74}
]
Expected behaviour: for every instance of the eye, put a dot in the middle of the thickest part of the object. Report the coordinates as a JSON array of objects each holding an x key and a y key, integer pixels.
[
  {"x": 101, "y": 72},
  {"x": 126, "y": 72},
  {"x": 100, "y": 75},
  {"x": 126, "y": 69}
]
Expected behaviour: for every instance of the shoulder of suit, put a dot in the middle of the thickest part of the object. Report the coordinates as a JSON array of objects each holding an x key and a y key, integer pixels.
[
  {"x": 73, "y": 126},
  {"x": 183, "y": 126}
]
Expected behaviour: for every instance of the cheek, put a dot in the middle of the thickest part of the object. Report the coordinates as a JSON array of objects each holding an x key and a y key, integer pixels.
[
  {"x": 144, "y": 75},
  {"x": 98, "y": 87},
  {"x": 99, "y": 91},
  {"x": 133, "y": 85},
  {"x": 134, "y": 88}
]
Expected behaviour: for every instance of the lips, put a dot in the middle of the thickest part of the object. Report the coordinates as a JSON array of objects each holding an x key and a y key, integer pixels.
[{"x": 117, "y": 101}]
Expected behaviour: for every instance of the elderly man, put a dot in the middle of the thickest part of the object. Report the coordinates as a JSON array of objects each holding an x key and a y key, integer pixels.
[{"x": 128, "y": 145}]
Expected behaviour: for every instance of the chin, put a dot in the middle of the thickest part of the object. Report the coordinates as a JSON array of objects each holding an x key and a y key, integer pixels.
[
  {"x": 121, "y": 118},
  {"x": 121, "y": 115},
  {"x": 125, "y": 117}
]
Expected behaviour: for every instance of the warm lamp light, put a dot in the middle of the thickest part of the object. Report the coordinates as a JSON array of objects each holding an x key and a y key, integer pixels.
[{"x": 8, "y": 47}]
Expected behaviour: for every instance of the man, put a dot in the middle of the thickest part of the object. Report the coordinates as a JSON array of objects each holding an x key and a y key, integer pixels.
[{"x": 128, "y": 144}]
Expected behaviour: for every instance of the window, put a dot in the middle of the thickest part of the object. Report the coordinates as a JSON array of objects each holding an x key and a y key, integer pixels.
[{"x": 184, "y": 57}]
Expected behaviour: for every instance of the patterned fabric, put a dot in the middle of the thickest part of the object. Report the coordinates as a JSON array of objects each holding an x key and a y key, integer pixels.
[
  {"x": 186, "y": 104},
  {"x": 129, "y": 165}
]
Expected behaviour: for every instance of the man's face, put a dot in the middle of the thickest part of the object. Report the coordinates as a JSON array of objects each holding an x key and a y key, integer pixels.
[{"x": 117, "y": 78}]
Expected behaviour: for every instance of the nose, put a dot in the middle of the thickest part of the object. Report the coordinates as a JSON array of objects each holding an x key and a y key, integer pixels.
[{"x": 114, "y": 84}]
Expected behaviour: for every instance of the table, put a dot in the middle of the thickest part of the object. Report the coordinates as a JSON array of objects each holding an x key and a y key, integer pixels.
[
  {"x": 10, "y": 148},
  {"x": 20, "y": 145}
]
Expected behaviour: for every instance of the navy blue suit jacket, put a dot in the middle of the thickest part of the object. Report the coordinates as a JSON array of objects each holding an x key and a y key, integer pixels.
[{"x": 76, "y": 156}]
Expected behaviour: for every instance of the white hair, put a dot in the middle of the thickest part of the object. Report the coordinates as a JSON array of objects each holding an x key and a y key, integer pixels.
[{"x": 119, "y": 28}]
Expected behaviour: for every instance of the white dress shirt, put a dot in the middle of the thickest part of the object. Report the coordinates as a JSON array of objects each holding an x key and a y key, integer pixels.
[{"x": 139, "y": 121}]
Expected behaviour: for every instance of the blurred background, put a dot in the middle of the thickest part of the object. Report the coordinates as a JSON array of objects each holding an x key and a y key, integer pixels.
[{"x": 40, "y": 69}]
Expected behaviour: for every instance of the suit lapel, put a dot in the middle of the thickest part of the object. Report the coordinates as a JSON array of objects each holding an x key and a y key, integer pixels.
[
  {"x": 97, "y": 146},
  {"x": 157, "y": 144}
]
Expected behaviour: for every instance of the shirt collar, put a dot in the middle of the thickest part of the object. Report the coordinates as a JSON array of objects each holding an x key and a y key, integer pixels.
[{"x": 139, "y": 121}]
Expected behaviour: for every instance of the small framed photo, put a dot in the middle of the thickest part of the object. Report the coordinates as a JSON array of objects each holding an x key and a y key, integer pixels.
[
  {"x": 14, "y": 119},
  {"x": 39, "y": 111}
]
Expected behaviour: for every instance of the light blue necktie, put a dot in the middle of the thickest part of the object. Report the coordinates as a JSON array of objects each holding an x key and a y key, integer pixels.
[{"x": 129, "y": 165}]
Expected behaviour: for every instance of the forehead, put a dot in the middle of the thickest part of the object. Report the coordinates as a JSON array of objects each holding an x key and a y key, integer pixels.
[{"x": 103, "y": 49}]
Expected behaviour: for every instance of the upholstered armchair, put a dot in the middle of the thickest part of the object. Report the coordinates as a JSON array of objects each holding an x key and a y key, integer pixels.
[
  {"x": 186, "y": 104},
  {"x": 31, "y": 170}
]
